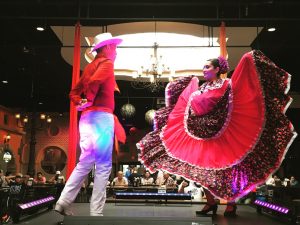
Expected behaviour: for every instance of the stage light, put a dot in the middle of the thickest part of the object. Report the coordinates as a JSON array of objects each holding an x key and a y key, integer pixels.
[
  {"x": 37, "y": 202},
  {"x": 40, "y": 28},
  {"x": 271, "y": 29},
  {"x": 272, "y": 206}
]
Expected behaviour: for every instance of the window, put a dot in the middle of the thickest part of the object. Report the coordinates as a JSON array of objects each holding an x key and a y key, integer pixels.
[{"x": 54, "y": 159}]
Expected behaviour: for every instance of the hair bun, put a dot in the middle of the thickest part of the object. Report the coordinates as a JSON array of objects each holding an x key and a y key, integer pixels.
[{"x": 224, "y": 67}]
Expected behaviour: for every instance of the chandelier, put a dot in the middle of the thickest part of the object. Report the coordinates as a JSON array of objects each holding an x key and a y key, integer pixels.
[{"x": 153, "y": 75}]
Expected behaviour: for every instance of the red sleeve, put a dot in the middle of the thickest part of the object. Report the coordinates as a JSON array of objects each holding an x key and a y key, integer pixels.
[
  {"x": 75, "y": 93},
  {"x": 102, "y": 73}
]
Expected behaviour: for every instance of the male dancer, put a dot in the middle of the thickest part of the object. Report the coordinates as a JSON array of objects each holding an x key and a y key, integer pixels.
[{"x": 96, "y": 126}]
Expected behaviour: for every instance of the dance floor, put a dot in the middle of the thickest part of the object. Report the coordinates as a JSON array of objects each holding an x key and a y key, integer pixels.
[{"x": 151, "y": 214}]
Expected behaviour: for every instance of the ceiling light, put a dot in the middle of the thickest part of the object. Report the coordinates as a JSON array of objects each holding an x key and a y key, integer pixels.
[
  {"x": 271, "y": 29},
  {"x": 5, "y": 81},
  {"x": 153, "y": 71},
  {"x": 25, "y": 49},
  {"x": 40, "y": 28},
  {"x": 40, "y": 103}
]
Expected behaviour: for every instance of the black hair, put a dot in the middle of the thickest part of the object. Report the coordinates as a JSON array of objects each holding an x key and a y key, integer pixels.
[
  {"x": 220, "y": 62},
  {"x": 215, "y": 63}
]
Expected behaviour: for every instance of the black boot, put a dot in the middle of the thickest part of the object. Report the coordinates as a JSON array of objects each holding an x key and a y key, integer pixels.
[
  {"x": 231, "y": 212},
  {"x": 207, "y": 208}
]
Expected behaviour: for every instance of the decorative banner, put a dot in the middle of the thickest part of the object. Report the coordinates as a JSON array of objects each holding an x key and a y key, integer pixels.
[
  {"x": 222, "y": 40},
  {"x": 73, "y": 130},
  {"x": 223, "y": 51}
]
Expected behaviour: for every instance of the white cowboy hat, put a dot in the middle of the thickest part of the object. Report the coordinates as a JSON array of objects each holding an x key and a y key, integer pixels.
[{"x": 105, "y": 39}]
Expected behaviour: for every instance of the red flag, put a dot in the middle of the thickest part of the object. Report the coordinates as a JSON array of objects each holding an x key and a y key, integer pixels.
[
  {"x": 73, "y": 131},
  {"x": 222, "y": 40}
]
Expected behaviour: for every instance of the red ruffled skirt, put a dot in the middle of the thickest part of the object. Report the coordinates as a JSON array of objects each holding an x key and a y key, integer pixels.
[{"x": 237, "y": 144}]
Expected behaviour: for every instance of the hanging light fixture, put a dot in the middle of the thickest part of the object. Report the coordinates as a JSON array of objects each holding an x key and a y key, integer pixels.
[
  {"x": 150, "y": 76},
  {"x": 127, "y": 111},
  {"x": 149, "y": 116}
]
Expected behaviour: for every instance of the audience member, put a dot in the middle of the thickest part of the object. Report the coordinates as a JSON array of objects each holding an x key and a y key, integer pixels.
[
  {"x": 159, "y": 178},
  {"x": 168, "y": 181},
  {"x": 3, "y": 182},
  {"x": 286, "y": 182},
  {"x": 277, "y": 180},
  {"x": 273, "y": 181},
  {"x": 9, "y": 177},
  {"x": 134, "y": 177},
  {"x": 141, "y": 170},
  {"x": 192, "y": 188},
  {"x": 128, "y": 172},
  {"x": 120, "y": 180},
  {"x": 147, "y": 179},
  {"x": 58, "y": 178},
  {"x": 293, "y": 182},
  {"x": 40, "y": 179},
  {"x": 16, "y": 179}
]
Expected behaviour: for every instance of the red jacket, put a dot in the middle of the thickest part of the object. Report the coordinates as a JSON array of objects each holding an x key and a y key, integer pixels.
[{"x": 98, "y": 84}]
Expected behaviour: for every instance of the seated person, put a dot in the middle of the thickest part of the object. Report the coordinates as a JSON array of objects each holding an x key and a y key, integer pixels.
[
  {"x": 286, "y": 182},
  {"x": 14, "y": 179},
  {"x": 182, "y": 188},
  {"x": 120, "y": 180},
  {"x": 273, "y": 181},
  {"x": 40, "y": 179},
  {"x": 277, "y": 180},
  {"x": 57, "y": 179},
  {"x": 8, "y": 177},
  {"x": 192, "y": 188},
  {"x": 147, "y": 179},
  {"x": 133, "y": 177},
  {"x": 168, "y": 181},
  {"x": 3, "y": 182},
  {"x": 17, "y": 182},
  {"x": 178, "y": 179},
  {"x": 294, "y": 182},
  {"x": 159, "y": 178},
  {"x": 128, "y": 172},
  {"x": 141, "y": 170}
]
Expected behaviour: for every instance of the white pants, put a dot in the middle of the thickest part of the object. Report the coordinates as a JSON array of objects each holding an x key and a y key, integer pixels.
[{"x": 96, "y": 143}]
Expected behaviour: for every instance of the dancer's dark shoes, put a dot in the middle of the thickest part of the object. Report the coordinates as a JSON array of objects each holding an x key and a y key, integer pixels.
[
  {"x": 208, "y": 208},
  {"x": 230, "y": 211}
]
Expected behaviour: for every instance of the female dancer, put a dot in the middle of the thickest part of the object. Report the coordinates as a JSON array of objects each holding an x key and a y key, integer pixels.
[{"x": 228, "y": 135}]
